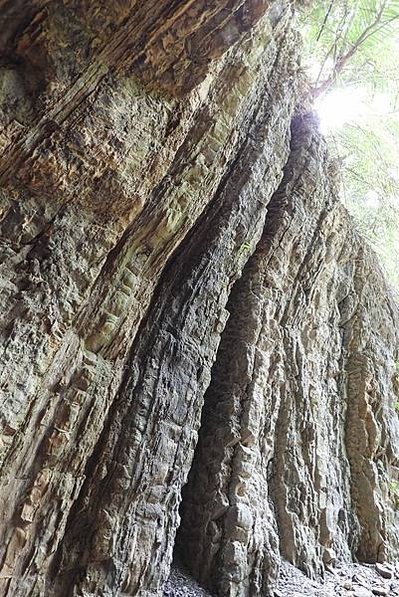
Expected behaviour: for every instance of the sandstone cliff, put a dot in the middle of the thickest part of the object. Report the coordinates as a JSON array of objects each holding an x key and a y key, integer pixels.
[{"x": 183, "y": 297}]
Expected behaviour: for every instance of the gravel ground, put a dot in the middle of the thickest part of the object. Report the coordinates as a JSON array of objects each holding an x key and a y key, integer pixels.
[
  {"x": 346, "y": 580},
  {"x": 181, "y": 584}
]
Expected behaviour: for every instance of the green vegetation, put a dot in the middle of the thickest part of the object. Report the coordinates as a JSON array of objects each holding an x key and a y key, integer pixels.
[
  {"x": 352, "y": 56},
  {"x": 394, "y": 491}
]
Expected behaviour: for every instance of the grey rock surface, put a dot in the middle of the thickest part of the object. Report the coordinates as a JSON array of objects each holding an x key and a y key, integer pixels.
[
  {"x": 175, "y": 265},
  {"x": 298, "y": 442}
]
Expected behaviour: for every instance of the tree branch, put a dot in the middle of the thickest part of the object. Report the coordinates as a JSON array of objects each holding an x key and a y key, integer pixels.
[{"x": 341, "y": 63}]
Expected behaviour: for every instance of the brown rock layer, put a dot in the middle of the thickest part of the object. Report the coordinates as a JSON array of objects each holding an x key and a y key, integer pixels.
[{"x": 142, "y": 148}]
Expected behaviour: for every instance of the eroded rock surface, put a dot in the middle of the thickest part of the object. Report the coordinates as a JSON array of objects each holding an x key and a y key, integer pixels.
[
  {"x": 298, "y": 443},
  {"x": 154, "y": 188}
]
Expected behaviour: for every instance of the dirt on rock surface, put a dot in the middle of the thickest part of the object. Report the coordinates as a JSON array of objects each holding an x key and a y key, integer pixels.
[{"x": 345, "y": 580}]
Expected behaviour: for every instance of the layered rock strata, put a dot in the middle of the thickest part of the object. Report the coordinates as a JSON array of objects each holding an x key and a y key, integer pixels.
[
  {"x": 119, "y": 201},
  {"x": 298, "y": 449},
  {"x": 147, "y": 151}
]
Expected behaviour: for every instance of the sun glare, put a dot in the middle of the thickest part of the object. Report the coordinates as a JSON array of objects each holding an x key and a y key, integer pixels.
[
  {"x": 351, "y": 105},
  {"x": 340, "y": 107}
]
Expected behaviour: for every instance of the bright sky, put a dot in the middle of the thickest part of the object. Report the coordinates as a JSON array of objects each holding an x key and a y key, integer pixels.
[{"x": 352, "y": 104}]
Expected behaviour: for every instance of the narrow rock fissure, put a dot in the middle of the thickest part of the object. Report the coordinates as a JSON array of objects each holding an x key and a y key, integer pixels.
[
  {"x": 277, "y": 473},
  {"x": 198, "y": 538}
]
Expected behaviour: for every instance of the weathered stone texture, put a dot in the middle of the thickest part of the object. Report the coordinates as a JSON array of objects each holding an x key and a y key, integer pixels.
[
  {"x": 298, "y": 449},
  {"x": 94, "y": 206},
  {"x": 143, "y": 145}
]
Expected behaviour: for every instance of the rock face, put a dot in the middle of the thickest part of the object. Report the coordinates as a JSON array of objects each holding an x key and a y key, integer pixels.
[
  {"x": 175, "y": 265},
  {"x": 298, "y": 446}
]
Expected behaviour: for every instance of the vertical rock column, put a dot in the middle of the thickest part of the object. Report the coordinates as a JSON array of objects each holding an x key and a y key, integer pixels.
[
  {"x": 142, "y": 112},
  {"x": 278, "y": 470},
  {"x": 128, "y": 506}
]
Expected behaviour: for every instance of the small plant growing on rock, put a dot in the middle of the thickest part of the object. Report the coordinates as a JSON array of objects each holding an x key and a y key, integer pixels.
[{"x": 394, "y": 491}]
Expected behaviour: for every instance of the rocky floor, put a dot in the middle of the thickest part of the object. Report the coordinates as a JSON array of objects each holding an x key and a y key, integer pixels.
[
  {"x": 181, "y": 584},
  {"x": 348, "y": 580}
]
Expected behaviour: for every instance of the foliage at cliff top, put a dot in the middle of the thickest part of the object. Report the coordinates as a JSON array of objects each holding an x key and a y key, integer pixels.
[{"x": 352, "y": 57}]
